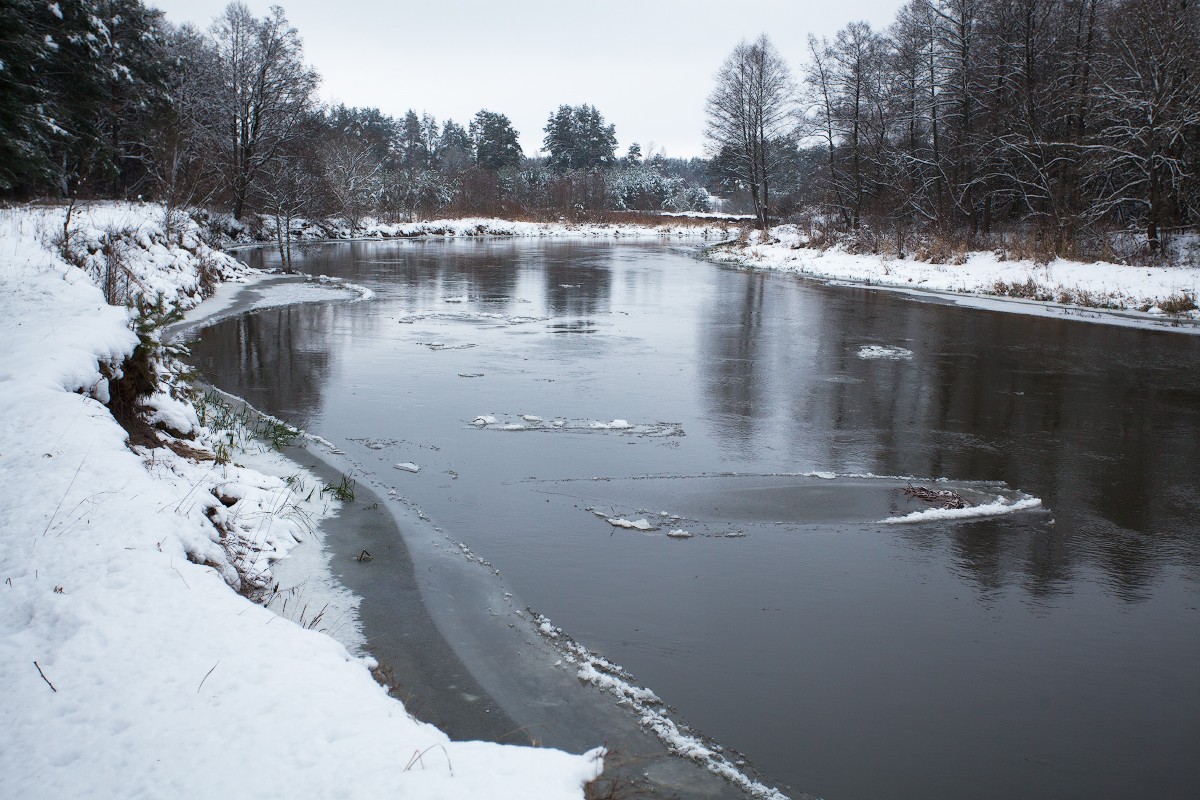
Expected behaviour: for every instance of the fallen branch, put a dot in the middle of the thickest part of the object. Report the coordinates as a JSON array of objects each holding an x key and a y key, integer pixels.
[{"x": 947, "y": 497}]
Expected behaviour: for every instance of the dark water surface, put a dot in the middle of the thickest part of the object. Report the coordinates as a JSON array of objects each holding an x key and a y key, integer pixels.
[{"x": 1046, "y": 653}]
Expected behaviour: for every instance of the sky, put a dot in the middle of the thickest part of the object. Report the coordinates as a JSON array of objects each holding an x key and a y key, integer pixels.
[{"x": 647, "y": 65}]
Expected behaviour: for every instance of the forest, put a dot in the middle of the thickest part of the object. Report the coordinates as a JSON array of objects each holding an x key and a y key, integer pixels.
[{"x": 1049, "y": 126}]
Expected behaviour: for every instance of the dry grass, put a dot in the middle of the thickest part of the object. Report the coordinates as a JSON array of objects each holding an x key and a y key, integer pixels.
[
  {"x": 1028, "y": 290},
  {"x": 1179, "y": 303}
]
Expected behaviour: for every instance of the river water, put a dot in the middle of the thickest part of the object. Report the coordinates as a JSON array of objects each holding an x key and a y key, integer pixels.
[{"x": 1048, "y": 651}]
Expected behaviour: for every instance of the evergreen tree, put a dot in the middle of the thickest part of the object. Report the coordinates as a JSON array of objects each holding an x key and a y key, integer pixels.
[
  {"x": 412, "y": 150},
  {"x": 454, "y": 148},
  {"x": 495, "y": 142},
  {"x": 24, "y": 129},
  {"x": 577, "y": 138}
]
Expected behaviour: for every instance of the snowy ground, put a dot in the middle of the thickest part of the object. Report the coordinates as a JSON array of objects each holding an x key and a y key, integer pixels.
[
  {"x": 673, "y": 227},
  {"x": 131, "y": 667},
  {"x": 1101, "y": 292}
]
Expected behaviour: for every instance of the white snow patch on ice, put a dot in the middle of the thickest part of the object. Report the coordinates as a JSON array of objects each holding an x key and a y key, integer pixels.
[
  {"x": 995, "y": 508},
  {"x": 615, "y": 425},
  {"x": 885, "y": 351},
  {"x": 637, "y": 525},
  {"x": 407, "y": 466},
  {"x": 612, "y": 678}
]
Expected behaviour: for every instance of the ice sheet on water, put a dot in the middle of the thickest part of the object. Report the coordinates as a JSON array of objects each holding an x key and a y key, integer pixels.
[
  {"x": 884, "y": 351},
  {"x": 407, "y": 466},
  {"x": 533, "y": 422},
  {"x": 471, "y": 316},
  {"x": 595, "y": 669},
  {"x": 444, "y": 346}
]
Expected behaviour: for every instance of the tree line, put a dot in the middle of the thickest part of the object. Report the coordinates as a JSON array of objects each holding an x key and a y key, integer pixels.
[
  {"x": 1060, "y": 121},
  {"x": 107, "y": 98}
]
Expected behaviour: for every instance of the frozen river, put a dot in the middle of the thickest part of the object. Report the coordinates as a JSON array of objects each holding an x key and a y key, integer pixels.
[{"x": 556, "y": 396}]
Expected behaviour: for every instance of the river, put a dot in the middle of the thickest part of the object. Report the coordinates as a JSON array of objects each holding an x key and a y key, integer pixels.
[{"x": 545, "y": 390}]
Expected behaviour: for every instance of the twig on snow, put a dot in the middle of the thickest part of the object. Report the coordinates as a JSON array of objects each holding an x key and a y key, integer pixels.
[
  {"x": 47, "y": 680},
  {"x": 202, "y": 680}
]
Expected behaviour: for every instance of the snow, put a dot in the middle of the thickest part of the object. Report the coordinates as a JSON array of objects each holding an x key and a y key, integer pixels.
[
  {"x": 878, "y": 351},
  {"x": 679, "y": 533},
  {"x": 1116, "y": 294},
  {"x": 532, "y": 423},
  {"x": 637, "y": 525},
  {"x": 615, "y": 425},
  {"x": 997, "y": 507},
  {"x": 612, "y": 678},
  {"x": 408, "y": 466},
  {"x": 672, "y": 227},
  {"x": 130, "y": 666}
]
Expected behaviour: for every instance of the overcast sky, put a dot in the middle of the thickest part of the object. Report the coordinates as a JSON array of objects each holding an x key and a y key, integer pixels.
[{"x": 646, "y": 64}]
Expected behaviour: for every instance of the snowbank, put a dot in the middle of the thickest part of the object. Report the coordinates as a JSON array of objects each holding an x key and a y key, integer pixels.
[
  {"x": 1104, "y": 292},
  {"x": 130, "y": 666},
  {"x": 314, "y": 230}
]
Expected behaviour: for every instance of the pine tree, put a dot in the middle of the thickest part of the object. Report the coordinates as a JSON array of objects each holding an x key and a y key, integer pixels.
[
  {"x": 455, "y": 151},
  {"x": 578, "y": 138},
  {"x": 495, "y": 142},
  {"x": 24, "y": 131}
]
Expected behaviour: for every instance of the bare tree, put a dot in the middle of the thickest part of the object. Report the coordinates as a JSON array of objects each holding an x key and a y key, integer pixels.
[
  {"x": 353, "y": 151},
  {"x": 1151, "y": 104},
  {"x": 172, "y": 151},
  {"x": 751, "y": 119},
  {"x": 262, "y": 90},
  {"x": 289, "y": 187}
]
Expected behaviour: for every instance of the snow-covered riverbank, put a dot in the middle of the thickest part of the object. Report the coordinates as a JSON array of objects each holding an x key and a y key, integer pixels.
[
  {"x": 671, "y": 227},
  {"x": 1141, "y": 296},
  {"x": 131, "y": 666}
]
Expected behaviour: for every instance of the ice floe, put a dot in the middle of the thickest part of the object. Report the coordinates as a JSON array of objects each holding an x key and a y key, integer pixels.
[
  {"x": 884, "y": 351},
  {"x": 533, "y": 422},
  {"x": 637, "y": 525},
  {"x": 407, "y": 466},
  {"x": 615, "y": 425},
  {"x": 997, "y": 507},
  {"x": 444, "y": 346}
]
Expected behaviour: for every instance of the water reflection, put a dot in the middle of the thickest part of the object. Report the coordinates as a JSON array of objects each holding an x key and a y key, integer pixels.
[
  {"x": 279, "y": 359},
  {"x": 576, "y": 283},
  {"x": 1100, "y": 423},
  {"x": 867, "y": 645}
]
